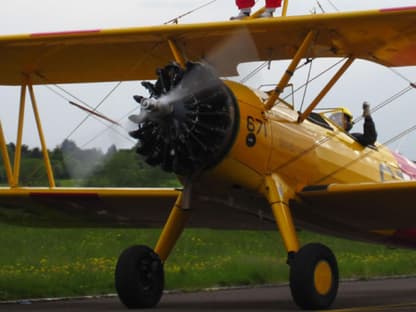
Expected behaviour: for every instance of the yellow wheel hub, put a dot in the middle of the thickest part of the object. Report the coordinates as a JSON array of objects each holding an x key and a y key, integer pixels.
[{"x": 323, "y": 277}]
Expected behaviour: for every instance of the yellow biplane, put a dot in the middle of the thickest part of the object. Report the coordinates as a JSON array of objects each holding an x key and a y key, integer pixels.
[{"x": 246, "y": 158}]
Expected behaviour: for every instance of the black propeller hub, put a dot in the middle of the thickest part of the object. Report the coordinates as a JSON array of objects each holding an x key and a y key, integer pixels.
[{"x": 189, "y": 121}]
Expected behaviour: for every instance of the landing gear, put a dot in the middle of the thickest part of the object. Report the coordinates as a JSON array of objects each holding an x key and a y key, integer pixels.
[
  {"x": 314, "y": 277},
  {"x": 313, "y": 268},
  {"x": 139, "y": 277},
  {"x": 139, "y": 274}
]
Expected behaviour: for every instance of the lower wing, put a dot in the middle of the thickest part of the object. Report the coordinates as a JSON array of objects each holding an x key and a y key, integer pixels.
[
  {"x": 375, "y": 211},
  {"x": 77, "y": 207}
]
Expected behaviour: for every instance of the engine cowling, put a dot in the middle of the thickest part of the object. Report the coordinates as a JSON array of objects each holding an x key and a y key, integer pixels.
[{"x": 189, "y": 121}]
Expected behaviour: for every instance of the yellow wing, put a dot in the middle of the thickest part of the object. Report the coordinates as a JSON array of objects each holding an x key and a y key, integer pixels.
[
  {"x": 386, "y": 36},
  {"x": 125, "y": 207},
  {"x": 75, "y": 207},
  {"x": 366, "y": 206}
]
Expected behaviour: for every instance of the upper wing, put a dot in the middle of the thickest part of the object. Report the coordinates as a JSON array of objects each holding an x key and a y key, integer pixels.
[
  {"x": 386, "y": 36},
  {"x": 366, "y": 206}
]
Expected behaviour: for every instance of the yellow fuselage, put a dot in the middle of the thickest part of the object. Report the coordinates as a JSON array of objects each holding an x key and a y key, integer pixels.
[{"x": 301, "y": 153}]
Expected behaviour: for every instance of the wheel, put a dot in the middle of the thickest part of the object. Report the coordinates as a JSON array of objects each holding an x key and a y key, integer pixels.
[
  {"x": 314, "y": 277},
  {"x": 139, "y": 277}
]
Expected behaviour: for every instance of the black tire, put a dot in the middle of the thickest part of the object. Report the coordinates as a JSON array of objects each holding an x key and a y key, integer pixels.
[
  {"x": 139, "y": 277},
  {"x": 314, "y": 277}
]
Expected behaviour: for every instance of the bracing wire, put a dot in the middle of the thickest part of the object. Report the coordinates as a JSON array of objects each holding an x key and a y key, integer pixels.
[
  {"x": 396, "y": 72},
  {"x": 110, "y": 128},
  {"x": 320, "y": 6},
  {"x": 305, "y": 90},
  {"x": 327, "y": 138},
  {"x": 333, "y": 5},
  {"x": 308, "y": 80},
  {"x": 175, "y": 20},
  {"x": 330, "y": 3},
  {"x": 387, "y": 101},
  {"x": 93, "y": 138},
  {"x": 65, "y": 93},
  {"x": 314, "y": 78},
  {"x": 254, "y": 72},
  {"x": 121, "y": 134},
  {"x": 307, "y": 61},
  {"x": 94, "y": 109},
  {"x": 392, "y": 140},
  {"x": 81, "y": 123},
  {"x": 98, "y": 105}
]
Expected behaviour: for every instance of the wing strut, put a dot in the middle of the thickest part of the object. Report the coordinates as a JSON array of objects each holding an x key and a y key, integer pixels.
[
  {"x": 300, "y": 53},
  {"x": 45, "y": 154},
  {"x": 18, "y": 150},
  {"x": 176, "y": 53},
  {"x": 325, "y": 90},
  {"x": 285, "y": 5},
  {"x": 5, "y": 156},
  {"x": 13, "y": 174}
]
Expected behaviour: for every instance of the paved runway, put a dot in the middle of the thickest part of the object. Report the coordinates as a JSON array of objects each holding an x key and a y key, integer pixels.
[{"x": 397, "y": 295}]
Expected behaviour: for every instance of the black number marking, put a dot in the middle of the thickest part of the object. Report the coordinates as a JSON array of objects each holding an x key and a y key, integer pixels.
[
  {"x": 251, "y": 127},
  {"x": 256, "y": 125}
]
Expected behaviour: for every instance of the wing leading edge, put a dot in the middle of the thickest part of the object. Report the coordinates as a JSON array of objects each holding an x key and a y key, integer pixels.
[
  {"x": 385, "y": 36},
  {"x": 125, "y": 207},
  {"x": 81, "y": 207},
  {"x": 366, "y": 206}
]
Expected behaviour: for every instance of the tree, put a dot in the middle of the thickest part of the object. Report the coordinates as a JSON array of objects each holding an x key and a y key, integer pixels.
[
  {"x": 32, "y": 172},
  {"x": 125, "y": 169},
  {"x": 35, "y": 153},
  {"x": 115, "y": 168},
  {"x": 111, "y": 151}
]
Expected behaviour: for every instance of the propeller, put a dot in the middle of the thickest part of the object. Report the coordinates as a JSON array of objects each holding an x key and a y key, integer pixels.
[{"x": 189, "y": 120}]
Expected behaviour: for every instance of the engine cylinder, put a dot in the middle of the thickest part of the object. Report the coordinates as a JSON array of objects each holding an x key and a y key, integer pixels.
[{"x": 197, "y": 125}]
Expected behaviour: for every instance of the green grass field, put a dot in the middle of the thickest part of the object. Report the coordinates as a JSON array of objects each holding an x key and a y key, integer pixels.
[{"x": 38, "y": 262}]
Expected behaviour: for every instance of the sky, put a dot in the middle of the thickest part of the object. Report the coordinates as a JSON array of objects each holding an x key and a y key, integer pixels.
[{"x": 364, "y": 81}]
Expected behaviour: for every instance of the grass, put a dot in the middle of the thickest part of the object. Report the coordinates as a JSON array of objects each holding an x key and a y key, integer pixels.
[{"x": 38, "y": 262}]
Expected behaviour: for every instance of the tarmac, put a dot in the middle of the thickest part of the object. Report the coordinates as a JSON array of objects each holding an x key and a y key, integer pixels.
[{"x": 396, "y": 295}]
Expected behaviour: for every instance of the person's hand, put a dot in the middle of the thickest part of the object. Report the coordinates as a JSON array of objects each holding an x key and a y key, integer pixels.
[{"x": 366, "y": 109}]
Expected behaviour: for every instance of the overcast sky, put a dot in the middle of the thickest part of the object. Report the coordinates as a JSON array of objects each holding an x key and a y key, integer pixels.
[{"x": 363, "y": 81}]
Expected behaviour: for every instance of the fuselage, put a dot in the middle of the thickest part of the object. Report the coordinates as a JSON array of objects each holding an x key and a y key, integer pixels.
[
  {"x": 223, "y": 139},
  {"x": 314, "y": 152}
]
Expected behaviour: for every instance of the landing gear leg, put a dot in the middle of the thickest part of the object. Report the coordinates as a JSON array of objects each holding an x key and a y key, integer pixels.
[
  {"x": 278, "y": 194},
  {"x": 139, "y": 276},
  {"x": 313, "y": 268},
  {"x": 173, "y": 229}
]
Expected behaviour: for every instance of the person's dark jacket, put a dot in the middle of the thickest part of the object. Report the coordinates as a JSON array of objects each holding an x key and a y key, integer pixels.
[{"x": 369, "y": 136}]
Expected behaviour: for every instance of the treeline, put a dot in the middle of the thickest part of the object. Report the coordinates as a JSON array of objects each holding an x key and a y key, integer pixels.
[{"x": 73, "y": 166}]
